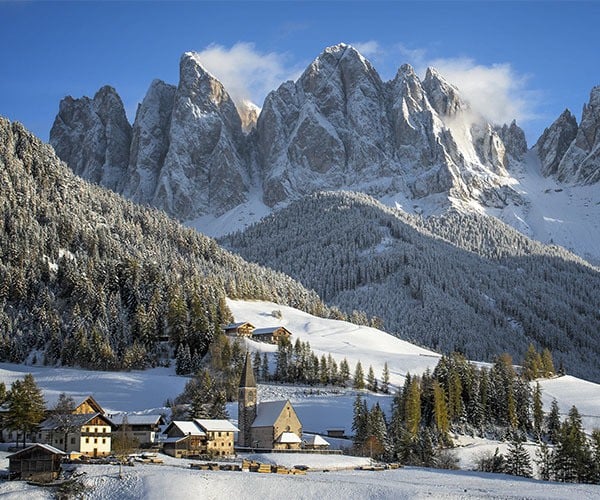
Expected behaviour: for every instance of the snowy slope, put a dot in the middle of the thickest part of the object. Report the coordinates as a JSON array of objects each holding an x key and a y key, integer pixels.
[
  {"x": 566, "y": 215},
  {"x": 340, "y": 339}
]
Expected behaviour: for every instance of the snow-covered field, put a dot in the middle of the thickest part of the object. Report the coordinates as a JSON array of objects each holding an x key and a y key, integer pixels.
[{"x": 174, "y": 480}]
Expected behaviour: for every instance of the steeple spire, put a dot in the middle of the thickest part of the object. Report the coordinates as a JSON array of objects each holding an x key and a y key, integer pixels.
[{"x": 247, "y": 379}]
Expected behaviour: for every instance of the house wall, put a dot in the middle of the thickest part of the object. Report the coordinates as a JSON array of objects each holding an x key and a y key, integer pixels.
[
  {"x": 188, "y": 446},
  {"x": 220, "y": 443}
]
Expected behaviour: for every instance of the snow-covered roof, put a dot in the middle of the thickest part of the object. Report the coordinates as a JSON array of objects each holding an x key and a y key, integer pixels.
[
  {"x": 316, "y": 440},
  {"x": 268, "y": 331},
  {"x": 267, "y": 413},
  {"x": 233, "y": 326},
  {"x": 172, "y": 439},
  {"x": 188, "y": 427},
  {"x": 288, "y": 438},
  {"x": 216, "y": 425},
  {"x": 136, "y": 419},
  {"x": 46, "y": 447},
  {"x": 75, "y": 420}
]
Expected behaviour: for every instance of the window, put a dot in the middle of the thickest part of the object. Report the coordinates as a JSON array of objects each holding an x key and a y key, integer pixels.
[
  {"x": 95, "y": 440},
  {"x": 72, "y": 440},
  {"x": 219, "y": 434},
  {"x": 87, "y": 440},
  {"x": 103, "y": 440},
  {"x": 103, "y": 429},
  {"x": 95, "y": 429}
]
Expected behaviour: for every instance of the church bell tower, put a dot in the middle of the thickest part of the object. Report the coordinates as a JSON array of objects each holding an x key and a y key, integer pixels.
[{"x": 246, "y": 404}]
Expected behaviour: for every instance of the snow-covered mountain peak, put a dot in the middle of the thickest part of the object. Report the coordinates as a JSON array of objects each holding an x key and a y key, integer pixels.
[{"x": 444, "y": 97}]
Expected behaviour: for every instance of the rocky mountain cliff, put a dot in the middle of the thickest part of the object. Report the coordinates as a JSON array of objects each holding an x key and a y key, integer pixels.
[
  {"x": 571, "y": 152},
  {"x": 338, "y": 126}
]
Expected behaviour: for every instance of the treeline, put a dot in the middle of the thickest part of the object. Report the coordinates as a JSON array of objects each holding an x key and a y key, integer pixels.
[
  {"x": 89, "y": 279},
  {"x": 461, "y": 397},
  {"x": 463, "y": 283}
]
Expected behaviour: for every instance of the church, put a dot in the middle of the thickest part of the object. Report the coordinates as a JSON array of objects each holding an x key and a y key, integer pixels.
[{"x": 265, "y": 426}]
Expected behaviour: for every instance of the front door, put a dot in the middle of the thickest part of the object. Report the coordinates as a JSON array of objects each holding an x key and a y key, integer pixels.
[{"x": 95, "y": 452}]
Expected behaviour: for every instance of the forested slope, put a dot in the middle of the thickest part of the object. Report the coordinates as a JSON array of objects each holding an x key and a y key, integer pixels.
[
  {"x": 461, "y": 282},
  {"x": 91, "y": 279}
]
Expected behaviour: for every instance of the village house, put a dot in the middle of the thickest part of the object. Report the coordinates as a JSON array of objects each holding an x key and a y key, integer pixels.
[
  {"x": 272, "y": 335},
  {"x": 38, "y": 462},
  {"x": 199, "y": 437},
  {"x": 315, "y": 442},
  {"x": 270, "y": 425},
  {"x": 87, "y": 430},
  {"x": 243, "y": 329},
  {"x": 145, "y": 429}
]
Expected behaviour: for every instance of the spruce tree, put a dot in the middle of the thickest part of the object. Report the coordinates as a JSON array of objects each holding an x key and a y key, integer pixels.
[
  {"x": 385, "y": 379},
  {"x": 344, "y": 372},
  {"x": 545, "y": 462},
  {"x": 553, "y": 422},
  {"x": 359, "y": 377},
  {"x": 518, "y": 462},
  {"x": 371, "y": 379},
  {"x": 360, "y": 423},
  {"x": 573, "y": 457},
  {"x": 26, "y": 406},
  {"x": 537, "y": 411}
]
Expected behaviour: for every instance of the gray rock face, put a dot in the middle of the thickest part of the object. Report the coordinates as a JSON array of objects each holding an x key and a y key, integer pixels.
[
  {"x": 581, "y": 162},
  {"x": 337, "y": 127},
  {"x": 340, "y": 126},
  {"x": 203, "y": 171},
  {"x": 555, "y": 141},
  {"x": 150, "y": 142},
  {"x": 93, "y": 136},
  {"x": 514, "y": 140}
]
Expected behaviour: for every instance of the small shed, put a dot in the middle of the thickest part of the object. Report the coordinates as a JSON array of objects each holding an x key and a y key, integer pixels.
[
  {"x": 243, "y": 329},
  {"x": 38, "y": 462},
  {"x": 273, "y": 335},
  {"x": 315, "y": 442}
]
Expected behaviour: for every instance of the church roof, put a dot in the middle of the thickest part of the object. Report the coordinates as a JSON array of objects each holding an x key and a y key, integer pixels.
[
  {"x": 267, "y": 413},
  {"x": 247, "y": 379}
]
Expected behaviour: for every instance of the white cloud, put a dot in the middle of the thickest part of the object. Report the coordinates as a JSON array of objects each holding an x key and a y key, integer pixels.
[
  {"x": 246, "y": 72},
  {"x": 496, "y": 91},
  {"x": 369, "y": 49}
]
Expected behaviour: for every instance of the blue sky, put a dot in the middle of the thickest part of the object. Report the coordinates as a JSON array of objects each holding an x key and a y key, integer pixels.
[{"x": 527, "y": 60}]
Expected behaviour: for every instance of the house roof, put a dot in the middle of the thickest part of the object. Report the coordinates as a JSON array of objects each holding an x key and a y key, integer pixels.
[
  {"x": 47, "y": 447},
  {"x": 187, "y": 428},
  {"x": 267, "y": 413},
  {"x": 216, "y": 425},
  {"x": 247, "y": 379},
  {"x": 136, "y": 419},
  {"x": 76, "y": 420},
  {"x": 92, "y": 402},
  {"x": 288, "y": 438},
  {"x": 269, "y": 331},
  {"x": 316, "y": 440},
  {"x": 233, "y": 326}
]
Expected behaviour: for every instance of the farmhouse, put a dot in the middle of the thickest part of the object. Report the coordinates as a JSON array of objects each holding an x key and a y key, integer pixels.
[
  {"x": 38, "y": 462},
  {"x": 199, "y": 437},
  {"x": 273, "y": 334},
  {"x": 145, "y": 429},
  {"x": 86, "y": 433},
  {"x": 243, "y": 329},
  {"x": 270, "y": 425}
]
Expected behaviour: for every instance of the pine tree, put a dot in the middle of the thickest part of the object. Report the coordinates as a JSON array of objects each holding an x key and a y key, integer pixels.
[
  {"x": 553, "y": 422},
  {"x": 440, "y": 410},
  {"x": 344, "y": 372},
  {"x": 573, "y": 457},
  {"x": 359, "y": 377},
  {"x": 595, "y": 441},
  {"x": 538, "y": 411},
  {"x": 360, "y": 422},
  {"x": 26, "y": 406},
  {"x": 385, "y": 379},
  {"x": 371, "y": 379},
  {"x": 413, "y": 407},
  {"x": 518, "y": 462},
  {"x": 256, "y": 362},
  {"x": 547, "y": 363},
  {"x": 264, "y": 367},
  {"x": 545, "y": 462}
]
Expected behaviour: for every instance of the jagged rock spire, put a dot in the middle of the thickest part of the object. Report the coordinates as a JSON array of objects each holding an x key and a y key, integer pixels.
[{"x": 247, "y": 379}]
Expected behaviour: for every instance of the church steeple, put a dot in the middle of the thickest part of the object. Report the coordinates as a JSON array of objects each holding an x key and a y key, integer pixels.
[
  {"x": 247, "y": 379},
  {"x": 247, "y": 400}
]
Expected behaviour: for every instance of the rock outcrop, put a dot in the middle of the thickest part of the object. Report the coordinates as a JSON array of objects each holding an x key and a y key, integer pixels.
[{"x": 555, "y": 141}]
